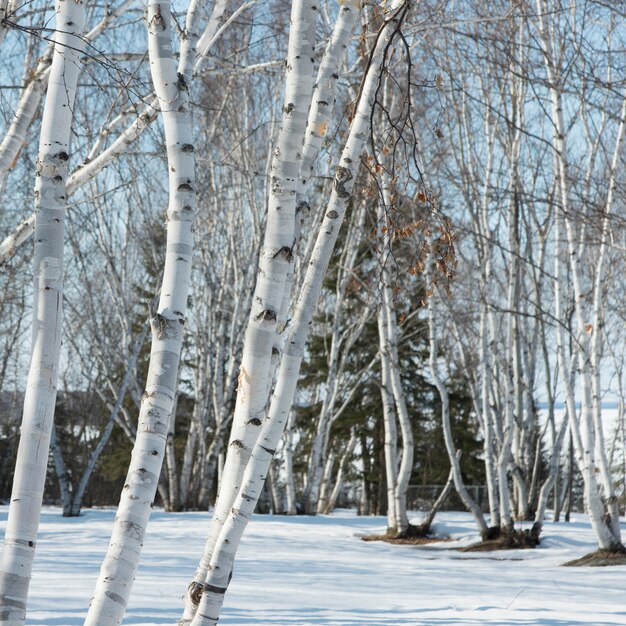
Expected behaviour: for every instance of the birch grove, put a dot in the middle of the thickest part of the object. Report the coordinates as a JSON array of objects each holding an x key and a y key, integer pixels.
[{"x": 384, "y": 262}]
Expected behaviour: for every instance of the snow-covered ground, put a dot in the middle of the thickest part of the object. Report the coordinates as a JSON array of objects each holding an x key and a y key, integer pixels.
[{"x": 313, "y": 571}]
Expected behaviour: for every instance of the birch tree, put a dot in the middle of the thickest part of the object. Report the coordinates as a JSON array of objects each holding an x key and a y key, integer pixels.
[
  {"x": 52, "y": 165},
  {"x": 220, "y": 567},
  {"x": 588, "y": 437},
  {"x": 267, "y": 308},
  {"x": 172, "y": 89}
]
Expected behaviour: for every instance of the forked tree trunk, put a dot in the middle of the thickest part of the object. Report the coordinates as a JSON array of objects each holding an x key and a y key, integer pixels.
[
  {"x": 223, "y": 554},
  {"x": 50, "y": 195},
  {"x": 453, "y": 456}
]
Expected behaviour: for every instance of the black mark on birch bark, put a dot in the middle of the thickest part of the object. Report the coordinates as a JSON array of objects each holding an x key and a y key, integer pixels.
[
  {"x": 266, "y": 316},
  {"x": 284, "y": 253},
  {"x": 342, "y": 176},
  {"x": 214, "y": 589}
]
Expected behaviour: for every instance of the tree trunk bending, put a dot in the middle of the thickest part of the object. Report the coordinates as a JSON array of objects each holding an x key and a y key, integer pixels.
[
  {"x": 453, "y": 456},
  {"x": 120, "y": 564},
  {"x": 275, "y": 261},
  {"x": 223, "y": 554}
]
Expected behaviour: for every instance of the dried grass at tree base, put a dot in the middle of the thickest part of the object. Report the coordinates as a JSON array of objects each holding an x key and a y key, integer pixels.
[
  {"x": 599, "y": 558},
  {"x": 415, "y": 535},
  {"x": 514, "y": 540}
]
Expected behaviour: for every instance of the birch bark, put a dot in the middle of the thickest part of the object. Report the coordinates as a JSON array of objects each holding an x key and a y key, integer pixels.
[
  {"x": 585, "y": 439},
  {"x": 341, "y": 341},
  {"x": 597, "y": 332},
  {"x": 275, "y": 262},
  {"x": 394, "y": 403},
  {"x": 144, "y": 117},
  {"x": 252, "y": 483},
  {"x": 390, "y": 429},
  {"x": 122, "y": 558},
  {"x": 455, "y": 466},
  {"x": 7, "y": 10},
  {"x": 52, "y": 166},
  {"x": 30, "y": 99}
]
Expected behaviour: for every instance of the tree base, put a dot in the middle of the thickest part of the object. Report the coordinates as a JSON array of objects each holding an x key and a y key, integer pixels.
[
  {"x": 505, "y": 539},
  {"x": 600, "y": 558},
  {"x": 414, "y": 535}
]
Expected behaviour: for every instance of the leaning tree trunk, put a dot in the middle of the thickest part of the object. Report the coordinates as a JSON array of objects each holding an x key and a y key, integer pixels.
[
  {"x": 455, "y": 465},
  {"x": 275, "y": 262},
  {"x": 584, "y": 439},
  {"x": 223, "y": 554},
  {"x": 120, "y": 564},
  {"x": 32, "y": 459}
]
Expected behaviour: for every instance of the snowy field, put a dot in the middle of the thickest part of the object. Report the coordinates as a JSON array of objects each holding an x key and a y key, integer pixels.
[{"x": 316, "y": 571}]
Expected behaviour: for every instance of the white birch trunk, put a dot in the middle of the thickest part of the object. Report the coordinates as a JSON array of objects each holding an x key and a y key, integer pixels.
[
  {"x": 30, "y": 100},
  {"x": 398, "y": 475},
  {"x": 252, "y": 483},
  {"x": 7, "y": 10},
  {"x": 584, "y": 456},
  {"x": 274, "y": 264},
  {"x": 323, "y": 100},
  {"x": 315, "y": 472},
  {"x": 327, "y": 475},
  {"x": 340, "y": 343},
  {"x": 455, "y": 465},
  {"x": 585, "y": 440},
  {"x": 406, "y": 464},
  {"x": 24, "y": 113},
  {"x": 144, "y": 117},
  {"x": 390, "y": 445},
  {"x": 550, "y": 482},
  {"x": 610, "y": 496},
  {"x": 343, "y": 464},
  {"x": 290, "y": 483},
  {"x": 489, "y": 435},
  {"x": 50, "y": 195},
  {"x": 120, "y": 564},
  {"x": 322, "y": 104}
]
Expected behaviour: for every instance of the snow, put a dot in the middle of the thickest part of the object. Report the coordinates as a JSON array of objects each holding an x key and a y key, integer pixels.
[{"x": 314, "y": 571}]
